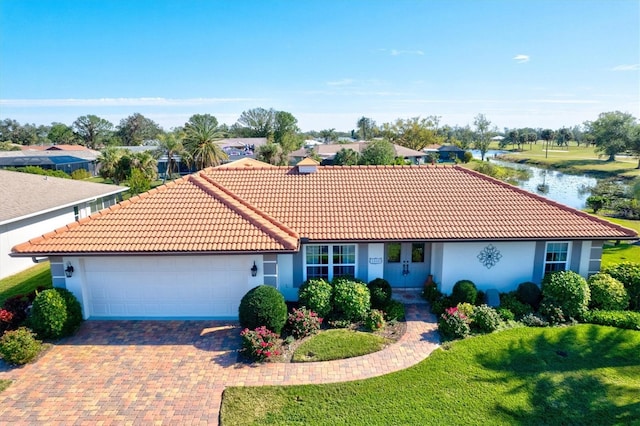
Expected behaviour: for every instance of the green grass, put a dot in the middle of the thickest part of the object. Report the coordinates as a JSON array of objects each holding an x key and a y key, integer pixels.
[
  {"x": 575, "y": 160},
  {"x": 579, "y": 375},
  {"x": 337, "y": 344},
  {"x": 4, "y": 384},
  {"x": 25, "y": 281},
  {"x": 623, "y": 252}
]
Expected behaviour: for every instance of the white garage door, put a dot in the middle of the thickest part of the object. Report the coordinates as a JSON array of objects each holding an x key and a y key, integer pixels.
[{"x": 167, "y": 286}]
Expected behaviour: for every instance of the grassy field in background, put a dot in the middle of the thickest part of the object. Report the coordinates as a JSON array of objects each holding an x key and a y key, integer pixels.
[{"x": 575, "y": 160}]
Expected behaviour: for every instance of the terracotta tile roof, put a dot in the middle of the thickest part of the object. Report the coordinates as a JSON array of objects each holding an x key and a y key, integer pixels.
[
  {"x": 242, "y": 208},
  {"x": 188, "y": 215}
]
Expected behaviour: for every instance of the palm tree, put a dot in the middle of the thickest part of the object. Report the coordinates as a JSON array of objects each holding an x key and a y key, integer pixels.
[
  {"x": 108, "y": 161},
  {"x": 201, "y": 135},
  {"x": 171, "y": 146},
  {"x": 145, "y": 162}
]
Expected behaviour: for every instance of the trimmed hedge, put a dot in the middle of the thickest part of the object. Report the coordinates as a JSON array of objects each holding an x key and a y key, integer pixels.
[
  {"x": 628, "y": 273},
  {"x": 48, "y": 315},
  {"x": 607, "y": 293},
  {"x": 380, "y": 291},
  {"x": 316, "y": 295},
  {"x": 19, "y": 346},
  {"x": 464, "y": 291},
  {"x": 351, "y": 300},
  {"x": 621, "y": 319},
  {"x": 530, "y": 294},
  {"x": 263, "y": 306},
  {"x": 568, "y": 291}
]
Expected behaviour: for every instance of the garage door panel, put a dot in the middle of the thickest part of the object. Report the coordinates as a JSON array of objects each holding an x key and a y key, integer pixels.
[{"x": 205, "y": 287}]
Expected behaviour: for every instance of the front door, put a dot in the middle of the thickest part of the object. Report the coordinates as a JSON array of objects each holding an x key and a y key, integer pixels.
[{"x": 406, "y": 264}]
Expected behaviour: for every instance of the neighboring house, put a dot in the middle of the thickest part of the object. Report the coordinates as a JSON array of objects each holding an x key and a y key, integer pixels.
[
  {"x": 327, "y": 152},
  {"x": 32, "y": 205},
  {"x": 188, "y": 248},
  {"x": 67, "y": 158},
  {"x": 235, "y": 148},
  {"x": 450, "y": 153}
]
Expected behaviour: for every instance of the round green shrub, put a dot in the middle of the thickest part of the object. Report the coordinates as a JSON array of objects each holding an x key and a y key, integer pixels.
[
  {"x": 530, "y": 294},
  {"x": 439, "y": 306},
  {"x": 74, "y": 311},
  {"x": 518, "y": 309},
  {"x": 607, "y": 293},
  {"x": 19, "y": 346},
  {"x": 316, "y": 295},
  {"x": 485, "y": 319},
  {"x": 48, "y": 315},
  {"x": 394, "y": 310},
  {"x": 568, "y": 291},
  {"x": 464, "y": 291},
  {"x": 628, "y": 273},
  {"x": 453, "y": 324},
  {"x": 552, "y": 314},
  {"x": 351, "y": 301},
  {"x": 505, "y": 314},
  {"x": 380, "y": 291},
  {"x": 263, "y": 306},
  {"x": 431, "y": 293},
  {"x": 374, "y": 320}
]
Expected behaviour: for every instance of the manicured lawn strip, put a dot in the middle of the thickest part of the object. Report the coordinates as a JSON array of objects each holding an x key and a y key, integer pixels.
[
  {"x": 627, "y": 223},
  {"x": 337, "y": 344},
  {"x": 4, "y": 384},
  {"x": 622, "y": 252},
  {"x": 26, "y": 281},
  {"x": 580, "y": 375}
]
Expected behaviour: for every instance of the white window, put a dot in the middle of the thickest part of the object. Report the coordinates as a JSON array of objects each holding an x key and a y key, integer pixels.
[
  {"x": 330, "y": 261},
  {"x": 556, "y": 257}
]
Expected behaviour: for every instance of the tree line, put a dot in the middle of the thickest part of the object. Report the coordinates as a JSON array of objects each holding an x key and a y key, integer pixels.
[{"x": 195, "y": 142}]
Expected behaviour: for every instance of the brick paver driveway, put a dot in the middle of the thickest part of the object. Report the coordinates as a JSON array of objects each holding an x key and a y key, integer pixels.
[{"x": 172, "y": 372}]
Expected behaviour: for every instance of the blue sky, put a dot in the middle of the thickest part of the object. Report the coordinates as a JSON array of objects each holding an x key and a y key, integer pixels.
[{"x": 521, "y": 63}]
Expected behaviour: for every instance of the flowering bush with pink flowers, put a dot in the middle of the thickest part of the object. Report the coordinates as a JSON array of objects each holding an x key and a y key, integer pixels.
[
  {"x": 261, "y": 344},
  {"x": 5, "y": 320},
  {"x": 303, "y": 322},
  {"x": 453, "y": 324}
]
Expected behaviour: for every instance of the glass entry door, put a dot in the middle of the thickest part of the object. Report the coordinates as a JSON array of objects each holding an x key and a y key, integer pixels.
[{"x": 406, "y": 264}]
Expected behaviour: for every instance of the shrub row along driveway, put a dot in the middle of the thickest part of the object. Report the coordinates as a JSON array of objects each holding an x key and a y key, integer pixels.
[{"x": 173, "y": 372}]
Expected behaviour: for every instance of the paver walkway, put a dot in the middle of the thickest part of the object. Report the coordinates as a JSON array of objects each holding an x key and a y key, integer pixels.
[{"x": 173, "y": 372}]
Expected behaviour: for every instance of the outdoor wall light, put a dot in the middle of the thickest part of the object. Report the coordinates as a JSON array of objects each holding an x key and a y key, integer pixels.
[
  {"x": 254, "y": 269},
  {"x": 69, "y": 271}
]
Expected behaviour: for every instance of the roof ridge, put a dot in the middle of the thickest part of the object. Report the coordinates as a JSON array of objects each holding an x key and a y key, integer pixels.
[
  {"x": 548, "y": 201},
  {"x": 245, "y": 209}
]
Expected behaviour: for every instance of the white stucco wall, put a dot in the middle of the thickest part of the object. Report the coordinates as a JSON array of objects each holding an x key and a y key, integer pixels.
[
  {"x": 285, "y": 277},
  {"x": 375, "y": 261},
  {"x": 14, "y": 233},
  {"x": 460, "y": 261}
]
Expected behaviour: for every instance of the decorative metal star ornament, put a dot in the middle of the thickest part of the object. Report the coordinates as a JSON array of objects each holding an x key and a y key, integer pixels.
[{"x": 489, "y": 256}]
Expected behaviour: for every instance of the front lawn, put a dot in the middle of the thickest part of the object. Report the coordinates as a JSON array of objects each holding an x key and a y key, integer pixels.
[
  {"x": 617, "y": 253},
  {"x": 579, "y": 375},
  {"x": 337, "y": 344},
  {"x": 26, "y": 281}
]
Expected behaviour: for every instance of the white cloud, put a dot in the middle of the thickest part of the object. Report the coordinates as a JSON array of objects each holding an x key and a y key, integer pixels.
[
  {"x": 521, "y": 58},
  {"x": 122, "y": 102},
  {"x": 395, "y": 52},
  {"x": 633, "y": 67}
]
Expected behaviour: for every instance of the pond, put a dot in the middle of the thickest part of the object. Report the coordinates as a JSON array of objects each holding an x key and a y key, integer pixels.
[{"x": 571, "y": 190}]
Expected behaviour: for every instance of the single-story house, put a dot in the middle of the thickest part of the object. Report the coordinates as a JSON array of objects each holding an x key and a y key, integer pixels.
[
  {"x": 67, "y": 158},
  {"x": 195, "y": 246},
  {"x": 450, "y": 153},
  {"x": 327, "y": 152},
  {"x": 33, "y": 205}
]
